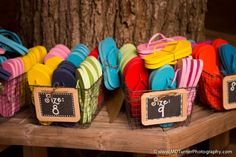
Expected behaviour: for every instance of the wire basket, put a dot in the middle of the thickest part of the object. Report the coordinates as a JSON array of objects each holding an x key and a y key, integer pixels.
[
  {"x": 210, "y": 91},
  {"x": 133, "y": 107},
  {"x": 14, "y": 94},
  {"x": 91, "y": 102}
]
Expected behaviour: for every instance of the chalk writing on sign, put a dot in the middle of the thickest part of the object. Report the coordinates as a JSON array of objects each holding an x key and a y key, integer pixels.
[
  {"x": 55, "y": 101},
  {"x": 161, "y": 105}
]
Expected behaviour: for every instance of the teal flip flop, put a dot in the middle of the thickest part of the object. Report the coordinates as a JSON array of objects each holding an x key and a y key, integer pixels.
[
  {"x": 108, "y": 52},
  {"x": 162, "y": 79}
]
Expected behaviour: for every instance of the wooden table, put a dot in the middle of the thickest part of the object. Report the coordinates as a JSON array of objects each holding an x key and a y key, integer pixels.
[{"x": 117, "y": 136}]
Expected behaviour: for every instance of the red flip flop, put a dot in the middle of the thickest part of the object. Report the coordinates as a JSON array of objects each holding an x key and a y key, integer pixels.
[
  {"x": 136, "y": 78},
  {"x": 209, "y": 56},
  {"x": 94, "y": 52},
  {"x": 218, "y": 42}
]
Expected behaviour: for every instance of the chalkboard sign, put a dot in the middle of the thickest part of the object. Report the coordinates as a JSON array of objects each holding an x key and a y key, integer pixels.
[
  {"x": 164, "y": 107},
  {"x": 229, "y": 92},
  {"x": 56, "y": 104}
]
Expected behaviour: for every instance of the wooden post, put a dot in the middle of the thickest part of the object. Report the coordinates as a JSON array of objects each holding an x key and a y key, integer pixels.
[
  {"x": 29, "y": 151},
  {"x": 219, "y": 142}
]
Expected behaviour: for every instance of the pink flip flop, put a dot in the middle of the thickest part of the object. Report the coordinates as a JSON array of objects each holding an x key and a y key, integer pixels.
[
  {"x": 64, "y": 48},
  {"x": 148, "y": 48}
]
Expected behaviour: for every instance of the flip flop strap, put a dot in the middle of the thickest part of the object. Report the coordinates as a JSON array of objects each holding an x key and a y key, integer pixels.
[
  {"x": 163, "y": 38},
  {"x": 12, "y": 46},
  {"x": 12, "y": 35},
  {"x": 106, "y": 62}
]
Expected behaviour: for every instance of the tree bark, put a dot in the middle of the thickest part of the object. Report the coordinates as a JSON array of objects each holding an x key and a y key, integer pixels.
[{"x": 49, "y": 22}]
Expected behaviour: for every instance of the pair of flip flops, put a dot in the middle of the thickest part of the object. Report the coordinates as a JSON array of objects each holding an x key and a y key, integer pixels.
[
  {"x": 40, "y": 75},
  {"x": 10, "y": 42},
  {"x": 108, "y": 53},
  {"x": 227, "y": 55},
  {"x": 210, "y": 83},
  {"x": 135, "y": 76},
  {"x": 156, "y": 45},
  {"x": 78, "y": 54},
  {"x": 168, "y": 55},
  {"x": 13, "y": 66},
  {"x": 162, "y": 79},
  {"x": 127, "y": 52},
  {"x": 64, "y": 75},
  {"x": 88, "y": 75},
  {"x": 188, "y": 75},
  {"x": 35, "y": 55},
  {"x": 59, "y": 50},
  {"x": 89, "y": 72}
]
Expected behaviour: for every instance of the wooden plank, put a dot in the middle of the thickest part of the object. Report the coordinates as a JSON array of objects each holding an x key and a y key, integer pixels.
[
  {"x": 201, "y": 129},
  {"x": 117, "y": 136},
  {"x": 29, "y": 151}
]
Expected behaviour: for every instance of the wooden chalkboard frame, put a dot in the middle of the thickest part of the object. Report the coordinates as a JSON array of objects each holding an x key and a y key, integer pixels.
[
  {"x": 144, "y": 111},
  {"x": 226, "y": 103},
  {"x": 38, "y": 109}
]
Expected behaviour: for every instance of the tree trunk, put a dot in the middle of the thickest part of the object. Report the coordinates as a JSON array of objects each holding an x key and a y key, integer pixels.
[{"x": 49, "y": 22}]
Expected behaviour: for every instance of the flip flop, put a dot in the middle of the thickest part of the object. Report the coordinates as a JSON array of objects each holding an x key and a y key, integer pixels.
[
  {"x": 53, "y": 62},
  {"x": 168, "y": 54},
  {"x": 218, "y": 43},
  {"x": 209, "y": 56},
  {"x": 147, "y": 48},
  {"x": 43, "y": 52},
  {"x": 227, "y": 55},
  {"x": 13, "y": 44},
  {"x": 64, "y": 48},
  {"x": 76, "y": 59},
  {"x": 81, "y": 49},
  {"x": 63, "y": 78},
  {"x": 162, "y": 78},
  {"x": 86, "y": 66},
  {"x": 39, "y": 75},
  {"x": 94, "y": 52},
  {"x": 136, "y": 80},
  {"x": 108, "y": 53},
  {"x": 127, "y": 51},
  {"x": 96, "y": 64},
  {"x": 83, "y": 78}
]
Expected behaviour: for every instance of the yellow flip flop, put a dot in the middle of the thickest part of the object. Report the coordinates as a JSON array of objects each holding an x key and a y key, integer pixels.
[{"x": 168, "y": 55}]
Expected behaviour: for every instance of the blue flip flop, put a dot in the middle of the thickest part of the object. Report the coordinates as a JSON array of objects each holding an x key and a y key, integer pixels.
[
  {"x": 81, "y": 49},
  {"x": 108, "y": 53},
  {"x": 227, "y": 55},
  {"x": 162, "y": 79},
  {"x": 13, "y": 36},
  {"x": 13, "y": 44},
  {"x": 76, "y": 59}
]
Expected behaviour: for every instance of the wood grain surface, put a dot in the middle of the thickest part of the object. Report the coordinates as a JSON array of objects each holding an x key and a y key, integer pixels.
[{"x": 117, "y": 136}]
